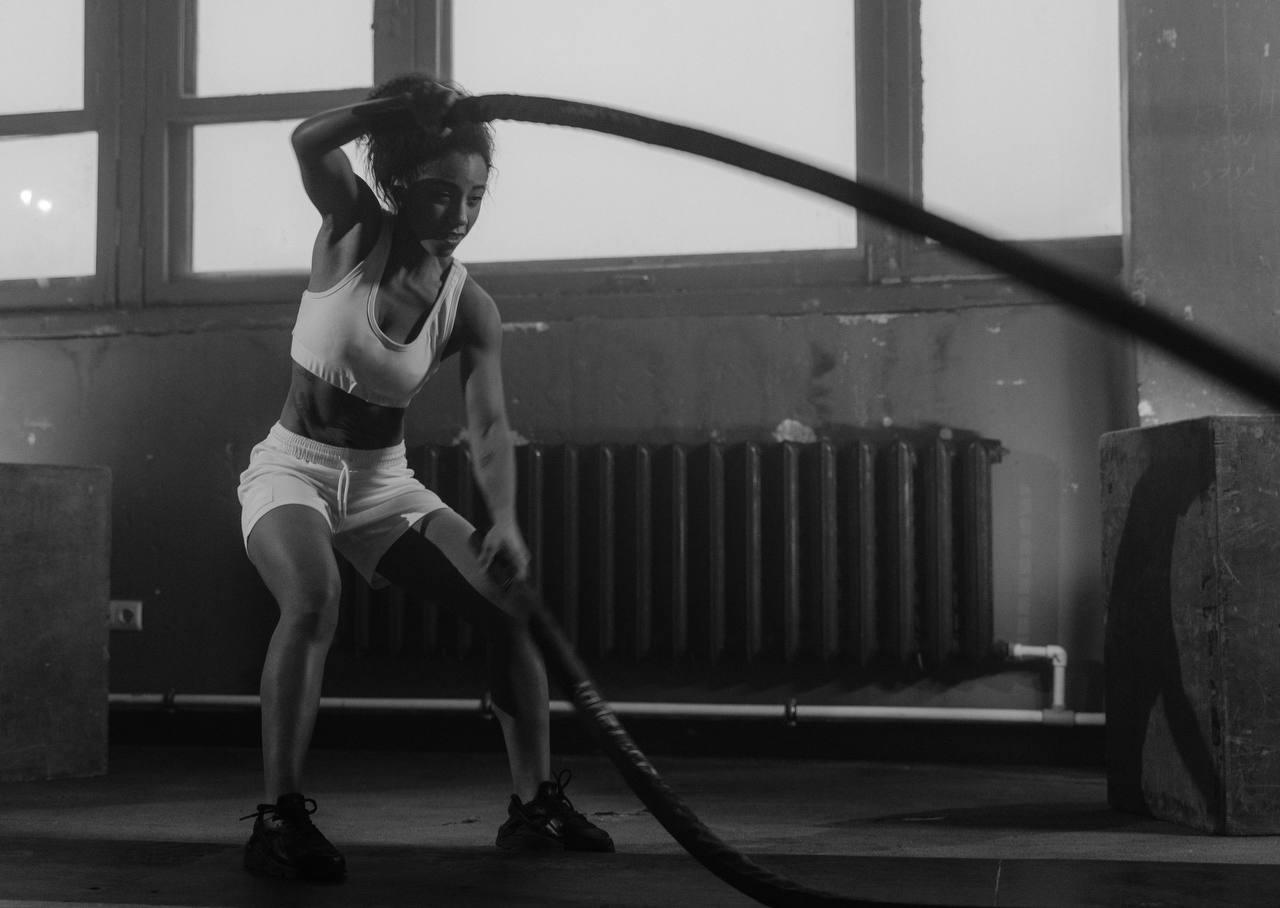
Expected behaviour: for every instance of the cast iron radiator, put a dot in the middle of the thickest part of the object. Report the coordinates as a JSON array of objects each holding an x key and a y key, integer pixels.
[{"x": 870, "y": 555}]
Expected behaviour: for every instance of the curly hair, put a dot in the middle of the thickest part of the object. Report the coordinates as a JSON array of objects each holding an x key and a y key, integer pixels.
[{"x": 394, "y": 156}]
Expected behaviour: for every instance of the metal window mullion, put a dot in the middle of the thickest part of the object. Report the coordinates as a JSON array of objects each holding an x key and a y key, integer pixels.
[
  {"x": 129, "y": 109},
  {"x": 434, "y": 48},
  {"x": 102, "y": 65},
  {"x": 47, "y": 123},
  {"x": 889, "y": 91},
  {"x": 393, "y": 37},
  {"x": 163, "y": 33},
  {"x": 175, "y": 259},
  {"x": 251, "y": 108},
  {"x": 411, "y": 36}
]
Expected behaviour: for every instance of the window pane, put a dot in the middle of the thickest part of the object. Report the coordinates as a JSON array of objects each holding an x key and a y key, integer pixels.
[
  {"x": 264, "y": 46},
  {"x": 249, "y": 210},
  {"x": 1022, "y": 115},
  {"x": 42, "y": 67},
  {"x": 49, "y": 206},
  {"x": 752, "y": 69}
]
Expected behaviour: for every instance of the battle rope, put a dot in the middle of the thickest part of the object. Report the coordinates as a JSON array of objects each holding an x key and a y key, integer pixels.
[
  {"x": 1103, "y": 300},
  {"x": 730, "y": 865},
  {"x": 667, "y": 807},
  {"x": 1100, "y": 299}
]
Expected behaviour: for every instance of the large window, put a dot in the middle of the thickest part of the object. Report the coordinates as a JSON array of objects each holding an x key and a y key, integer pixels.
[
  {"x": 52, "y": 132},
  {"x": 222, "y": 98},
  {"x": 42, "y": 68},
  {"x": 247, "y": 214},
  {"x": 144, "y": 158},
  {"x": 1021, "y": 115},
  {"x": 766, "y": 72},
  {"x": 51, "y": 205},
  {"x": 247, "y": 47}
]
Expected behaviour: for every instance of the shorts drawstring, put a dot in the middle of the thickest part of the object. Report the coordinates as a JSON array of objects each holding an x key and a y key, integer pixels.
[
  {"x": 344, "y": 487},
  {"x": 367, "y": 497},
  {"x": 343, "y": 460}
]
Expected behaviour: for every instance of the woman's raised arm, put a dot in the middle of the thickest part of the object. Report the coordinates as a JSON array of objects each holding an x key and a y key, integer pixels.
[{"x": 327, "y": 177}]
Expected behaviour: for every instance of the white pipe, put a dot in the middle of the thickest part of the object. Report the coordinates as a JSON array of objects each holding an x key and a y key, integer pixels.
[
  {"x": 789, "y": 712},
  {"x": 1057, "y": 657},
  {"x": 337, "y": 704},
  {"x": 926, "y": 714}
]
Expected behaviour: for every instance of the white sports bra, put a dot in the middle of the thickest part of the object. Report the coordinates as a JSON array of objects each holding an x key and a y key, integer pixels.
[{"x": 336, "y": 336}]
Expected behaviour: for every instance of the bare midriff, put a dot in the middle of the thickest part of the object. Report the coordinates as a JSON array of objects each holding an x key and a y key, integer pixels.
[{"x": 317, "y": 410}]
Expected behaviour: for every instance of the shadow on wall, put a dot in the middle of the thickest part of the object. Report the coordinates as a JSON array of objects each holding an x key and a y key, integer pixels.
[{"x": 1026, "y": 517}]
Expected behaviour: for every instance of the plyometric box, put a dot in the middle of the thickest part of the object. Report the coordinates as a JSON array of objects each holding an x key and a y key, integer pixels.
[
  {"x": 55, "y": 546},
  {"x": 1191, "y": 559}
]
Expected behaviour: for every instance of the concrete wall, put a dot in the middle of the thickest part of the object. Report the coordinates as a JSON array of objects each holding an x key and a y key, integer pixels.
[
  {"x": 174, "y": 408},
  {"x": 1204, "y": 185},
  {"x": 174, "y": 411}
]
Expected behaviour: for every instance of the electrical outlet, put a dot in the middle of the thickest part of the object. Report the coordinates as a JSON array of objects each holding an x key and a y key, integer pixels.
[{"x": 126, "y": 615}]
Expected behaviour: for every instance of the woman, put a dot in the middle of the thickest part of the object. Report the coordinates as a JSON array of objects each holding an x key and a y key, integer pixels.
[{"x": 386, "y": 303}]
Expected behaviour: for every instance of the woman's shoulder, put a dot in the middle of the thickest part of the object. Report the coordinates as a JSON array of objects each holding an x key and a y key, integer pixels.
[
  {"x": 361, "y": 233},
  {"x": 473, "y": 293},
  {"x": 477, "y": 315},
  {"x": 339, "y": 248}
]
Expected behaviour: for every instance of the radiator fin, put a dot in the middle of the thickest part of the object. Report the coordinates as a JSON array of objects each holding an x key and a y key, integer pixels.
[{"x": 875, "y": 552}]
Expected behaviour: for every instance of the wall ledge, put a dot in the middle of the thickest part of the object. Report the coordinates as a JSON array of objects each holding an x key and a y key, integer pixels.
[{"x": 833, "y": 300}]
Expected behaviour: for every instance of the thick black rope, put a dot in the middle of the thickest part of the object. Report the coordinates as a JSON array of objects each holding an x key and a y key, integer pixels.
[
  {"x": 730, "y": 865},
  {"x": 1103, "y": 300}
]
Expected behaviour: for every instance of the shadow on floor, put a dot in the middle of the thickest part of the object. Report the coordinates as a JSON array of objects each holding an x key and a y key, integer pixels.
[
  {"x": 417, "y": 829},
  {"x": 1041, "y": 817}
]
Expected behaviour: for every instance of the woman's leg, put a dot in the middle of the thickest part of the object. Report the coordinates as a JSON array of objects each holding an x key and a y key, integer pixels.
[
  {"x": 290, "y": 546},
  {"x": 440, "y": 562},
  {"x": 518, "y": 684}
]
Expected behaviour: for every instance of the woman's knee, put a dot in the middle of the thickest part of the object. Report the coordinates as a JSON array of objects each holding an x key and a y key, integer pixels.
[
  {"x": 310, "y": 604},
  {"x": 511, "y": 644},
  {"x": 291, "y": 549}
]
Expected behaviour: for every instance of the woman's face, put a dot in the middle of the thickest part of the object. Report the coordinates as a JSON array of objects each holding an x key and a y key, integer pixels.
[{"x": 442, "y": 203}]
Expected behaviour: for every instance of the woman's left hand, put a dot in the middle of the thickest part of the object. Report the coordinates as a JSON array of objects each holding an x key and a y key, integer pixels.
[
  {"x": 429, "y": 105},
  {"x": 503, "y": 555}
]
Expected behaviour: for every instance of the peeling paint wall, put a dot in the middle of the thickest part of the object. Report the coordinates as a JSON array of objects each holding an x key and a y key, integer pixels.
[
  {"x": 171, "y": 416},
  {"x": 175, "y": 415},
  {"x": 1203, "y": 98}
]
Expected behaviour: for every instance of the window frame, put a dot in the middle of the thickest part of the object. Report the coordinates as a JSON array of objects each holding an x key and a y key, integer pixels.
[
  {"x": 102, "y": 73},
  {"x": 135, "y": 71},
  {"x": 889, "y": 104},
  {"x": 523, "y": 284},
  {"x": 406, "y": 36}
]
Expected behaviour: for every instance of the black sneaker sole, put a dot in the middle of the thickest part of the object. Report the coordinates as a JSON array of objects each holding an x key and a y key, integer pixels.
[
  {"x": 529, "y": 841},
  {"x": 605, "y": 847},
  {"x": 262, "y": 864}
]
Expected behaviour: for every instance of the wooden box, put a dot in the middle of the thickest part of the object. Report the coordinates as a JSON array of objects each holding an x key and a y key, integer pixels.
[
  {"x": 1191, "y": 563},
  {"x": 55, "y": 548}
]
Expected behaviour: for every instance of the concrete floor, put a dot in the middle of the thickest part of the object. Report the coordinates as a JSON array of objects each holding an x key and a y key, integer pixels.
[{"x": 417, "y": 828}]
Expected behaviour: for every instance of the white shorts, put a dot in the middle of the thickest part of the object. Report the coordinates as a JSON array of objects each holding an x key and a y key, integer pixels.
[{"x": 369, "y": 497}]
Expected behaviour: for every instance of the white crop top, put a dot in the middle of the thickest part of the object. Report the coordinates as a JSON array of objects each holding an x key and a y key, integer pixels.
[{"x": 336, "y": 336}]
